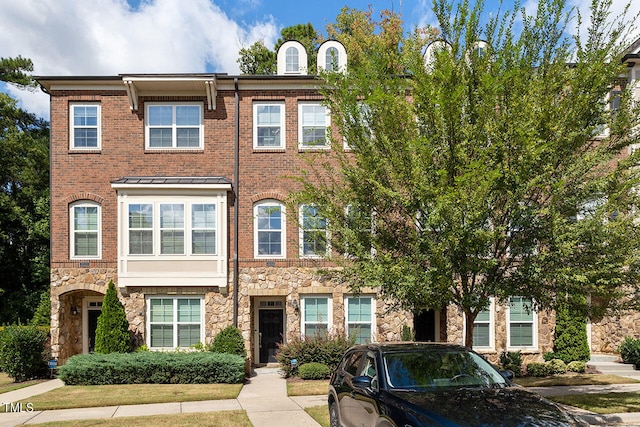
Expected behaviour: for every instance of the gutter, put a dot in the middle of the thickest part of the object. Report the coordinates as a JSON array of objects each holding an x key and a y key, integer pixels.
[{"x": 236, "y": 163}]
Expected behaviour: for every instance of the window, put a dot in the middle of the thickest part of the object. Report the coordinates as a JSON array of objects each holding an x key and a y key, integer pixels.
[
  {"x": 174, "y": 126},
  {"x": 174, "y": 322},
  {"x": 522, "y": 323},
  {"x": 313, "y": 234},
  {"x": 483, "y": 328},
  {"x": 360, "y": 315},
  {"x": 85, "y": 126},
  {"x": 85, "y": 230},
  {"x": 332, "y": 59},
  {"x": 268, "y": 129},
  {"x": 316, "y": 316},
  {"x": 269, "y": 228},
  {"x": 292, "y": 60},
  {"x": 313, "y": 121},
  {"x": 178, "y": 226}
]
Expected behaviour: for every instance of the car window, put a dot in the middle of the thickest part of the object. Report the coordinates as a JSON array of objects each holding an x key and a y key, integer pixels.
[
  {"x": 368, "y": 368},
  {"x": 353, "y": 362}
]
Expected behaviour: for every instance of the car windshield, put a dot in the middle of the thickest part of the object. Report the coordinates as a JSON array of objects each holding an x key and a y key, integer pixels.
[{"x": 435, "y": 368}]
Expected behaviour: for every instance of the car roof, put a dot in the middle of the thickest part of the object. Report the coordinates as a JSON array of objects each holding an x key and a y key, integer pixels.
[{"x": 388, "y": 347}]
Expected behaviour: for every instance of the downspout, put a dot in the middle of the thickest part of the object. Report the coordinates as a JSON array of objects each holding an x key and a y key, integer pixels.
[{"x": 236, "y": 162}]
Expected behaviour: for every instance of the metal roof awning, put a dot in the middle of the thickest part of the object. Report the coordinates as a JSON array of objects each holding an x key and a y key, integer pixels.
[{"x": 165, "y": 182}]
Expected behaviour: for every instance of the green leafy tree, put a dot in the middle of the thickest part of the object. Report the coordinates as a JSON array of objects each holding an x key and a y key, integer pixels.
[
  {"x": 477, "y": 173},
  {"x": 257, "y": 59},
  {"x": 112, "y": 332},
  {"x": 42, "y": 315},
  {"x": 570, "y": 338},
  {"x": 24, "y": 199}
]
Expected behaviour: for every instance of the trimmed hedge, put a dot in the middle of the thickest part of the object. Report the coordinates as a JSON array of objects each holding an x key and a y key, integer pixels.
[
  {"x": 577, "y": 366},
  {"x": 326, "y": 349},
  {"x": 630, "y": 351},
  {"x": 314, "y": 371},
  {"x": 536, "y": 369},
  {"x": 152, "y": 368},
  {"x": 24, "y": 352}
]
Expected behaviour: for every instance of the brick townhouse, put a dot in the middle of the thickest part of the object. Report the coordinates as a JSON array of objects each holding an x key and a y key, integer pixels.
[{"x": 174, "y": 187}]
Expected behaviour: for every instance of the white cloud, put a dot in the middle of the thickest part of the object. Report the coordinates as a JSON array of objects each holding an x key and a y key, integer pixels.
[{"x": 106, "y": 37}]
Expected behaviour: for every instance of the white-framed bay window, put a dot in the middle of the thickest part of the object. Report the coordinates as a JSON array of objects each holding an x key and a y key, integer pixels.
[
  {"x": 174, "y": 322},
  {"x": 85, "y": 126},
  {"x": 85, "y": 230},
  {"x": 316, "y": 314},
  {"x": 360, "y": 318},
  {"x": 269, "y": 229},
  {"x": 313, "y": 125},
  {"x": 522, "y": 329},
  {"x": 172, "y": 230},
  {"x": 314, "y": 241},
  {"x": 174, "y": 125},
  {"x": 269, "y": 125}
]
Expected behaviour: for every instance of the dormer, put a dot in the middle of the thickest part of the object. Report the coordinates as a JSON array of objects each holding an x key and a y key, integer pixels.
[
  {"x": 292, "y": 59},
  {"x": 433, "y": 50},
  {"x": 332, "y": 57}
]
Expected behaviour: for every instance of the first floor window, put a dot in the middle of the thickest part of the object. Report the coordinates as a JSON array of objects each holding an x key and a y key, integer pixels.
[
  {"x": 85, "y": 230},
  {"x": 174, "y": 322},
  {"x": 521, "y": 322},
  {"x": 483, "y": 328},
  {"x": 360, "y": 316},
  {"x": 313, "y": 233},
  {"x": 316, "y": 312}
]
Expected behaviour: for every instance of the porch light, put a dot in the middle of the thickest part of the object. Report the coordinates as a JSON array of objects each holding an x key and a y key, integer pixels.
[
  {"x": 296, "y": 307},
  {"x": 74, "y": 310}
]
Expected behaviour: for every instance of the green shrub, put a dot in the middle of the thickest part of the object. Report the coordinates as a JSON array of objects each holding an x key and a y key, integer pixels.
[
  {"x": 630, "y": 351},
  {"x": 112, "y": 332},
  {"x": 512, "y": 361},
  {"x": 326, "y": 349},
  {"x": 42, "y": 315},
  {"x": 149, "y": 367},
  {"x": 314, "y": 371},
  {"x": 557, "y": 366},
  {"x": 536, "y": 369},
  {"x": 406, "y": 335},
  {"x": 229, "y": 341},
  {"x": 577, "y": 366},
  {"x": 23, "y": 352},
  {"x": 570, "y": 338}
]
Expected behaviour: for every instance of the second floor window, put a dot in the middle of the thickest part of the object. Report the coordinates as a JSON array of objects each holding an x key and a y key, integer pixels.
[
  {"x": 268, "y": 127},
  {"x": 85, "y": 230},
  {"x": 313, "y": 120},
  {"x": 176, "y": 126},
  {"x": 172, "y": 228},
  {"x": 85, "y": 126},
  {"x": 313, "y": 233},
  {"x": 269, "y": 226}
]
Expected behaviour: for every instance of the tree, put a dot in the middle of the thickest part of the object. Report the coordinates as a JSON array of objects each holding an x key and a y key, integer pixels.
[
  {"x": 112, "y": 332},
  {"x": 477, "y": 173},
  {"x": 24, "y": 200},
  {"x": 258, "y": 59}
]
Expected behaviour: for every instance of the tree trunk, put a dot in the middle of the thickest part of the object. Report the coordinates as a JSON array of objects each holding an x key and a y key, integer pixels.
[{"x": 469, "y": 318}]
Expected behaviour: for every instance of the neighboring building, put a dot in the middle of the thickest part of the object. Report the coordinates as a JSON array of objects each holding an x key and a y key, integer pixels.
[{"x": 174, "y": 187}]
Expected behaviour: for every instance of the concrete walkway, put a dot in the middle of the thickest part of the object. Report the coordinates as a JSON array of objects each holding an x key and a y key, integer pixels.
[{"x": 264, "y": 398}]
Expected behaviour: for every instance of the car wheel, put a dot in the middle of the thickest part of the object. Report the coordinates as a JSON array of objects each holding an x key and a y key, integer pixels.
[{"x": 334, "y": 417}]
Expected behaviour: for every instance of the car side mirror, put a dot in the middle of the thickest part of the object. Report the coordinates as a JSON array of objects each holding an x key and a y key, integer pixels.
[
  {"x": 362, "y": 382},
  {"x": 509, "y": 375}
]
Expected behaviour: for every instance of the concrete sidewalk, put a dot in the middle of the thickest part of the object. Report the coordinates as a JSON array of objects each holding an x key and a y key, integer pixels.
[{"x": 264, "y": 398}]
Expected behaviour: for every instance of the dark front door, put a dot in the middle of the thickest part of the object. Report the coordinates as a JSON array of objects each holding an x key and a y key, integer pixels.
[
  {"x": 424, "y": 325},
  {"x": 270, "y": 326},
  {"x": 93, "y": 324}
]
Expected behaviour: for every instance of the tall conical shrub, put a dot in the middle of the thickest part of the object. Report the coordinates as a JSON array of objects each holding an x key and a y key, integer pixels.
[
  {"x": 112, "y": 332},
  {"x": 570, "y": 341}
]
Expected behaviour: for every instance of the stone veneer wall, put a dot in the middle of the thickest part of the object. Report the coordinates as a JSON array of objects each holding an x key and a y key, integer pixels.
[{"x": 608, "y": 333}]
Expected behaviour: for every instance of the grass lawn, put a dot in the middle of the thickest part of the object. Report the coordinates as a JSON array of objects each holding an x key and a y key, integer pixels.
[
  {"x": 320, "y": 414},
  {"x": 130, "y": 394},
  {"x": 297, "y": 387},
  {"x": 605, "y": 403},
  {"x": 7, "y": 384},
  {"x": 221, "y": 419},
  {"x": 573, "y": 379}
]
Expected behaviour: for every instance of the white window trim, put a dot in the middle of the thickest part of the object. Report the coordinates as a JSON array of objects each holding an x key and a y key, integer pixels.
[
  {"x": 174, "y": 142},
  {"x": 327, "y": 142},
  {"x": 188, "y": 203},
  {"x": 301, "y": 232},
  {"x": 492, "y": 328},
  {"x": 175, "y": 319},
  {"x": 283, "y": 130},
  {"x": 534, "y": 332},
  {"x": 303, "y": 306},
  {"x": 283, "y": 230},
  {"x": 373, "y": 315},
  {"x": 72, "y": 231},
  {"x": 72, "y": 126}
]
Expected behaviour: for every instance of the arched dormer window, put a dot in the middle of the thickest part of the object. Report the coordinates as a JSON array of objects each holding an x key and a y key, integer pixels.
[
  {"x": 292, "y": 58},
  {"x": 433, "y": 50},
  {"x": 332, "y": 56}
]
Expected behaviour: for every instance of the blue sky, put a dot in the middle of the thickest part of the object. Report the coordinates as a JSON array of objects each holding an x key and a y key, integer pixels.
[{"x": 110, "y": 37}]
